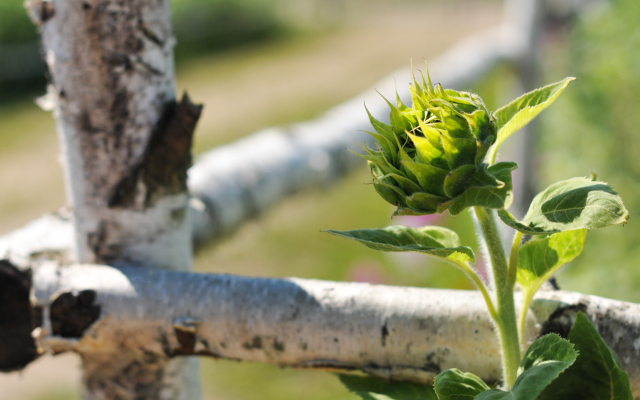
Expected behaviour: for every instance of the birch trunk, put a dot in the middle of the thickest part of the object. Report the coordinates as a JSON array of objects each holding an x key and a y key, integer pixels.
[{"x": 126, "y": 145}]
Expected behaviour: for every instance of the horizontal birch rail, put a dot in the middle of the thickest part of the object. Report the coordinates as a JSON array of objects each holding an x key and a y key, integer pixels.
[
  {"x": 237, "y": 182},
  {"x": 393, "y": 332}
]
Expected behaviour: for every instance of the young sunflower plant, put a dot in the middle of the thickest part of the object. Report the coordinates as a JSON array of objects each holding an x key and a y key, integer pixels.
[{"x": 440, "y": 154}]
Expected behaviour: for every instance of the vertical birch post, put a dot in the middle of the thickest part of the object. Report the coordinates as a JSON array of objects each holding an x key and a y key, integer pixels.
[{"x": 126, "y": 144}]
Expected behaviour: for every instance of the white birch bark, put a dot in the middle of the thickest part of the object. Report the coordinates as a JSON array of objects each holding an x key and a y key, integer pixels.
[
  {"x": 126, "y": 147},
  {"x": 401, "y": 333}
]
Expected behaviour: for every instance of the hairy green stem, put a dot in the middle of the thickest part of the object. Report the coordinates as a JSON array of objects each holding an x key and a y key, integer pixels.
[
  {"x": 513, "y": 274},
  {"x": 526, "y": 301},
  {"x": 522, "y": 321},
  {"x": 507, "y": 325},
  {"x": 513, "y": 258}
]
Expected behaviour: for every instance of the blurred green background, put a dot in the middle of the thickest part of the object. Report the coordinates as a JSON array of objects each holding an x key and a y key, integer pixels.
[{"x": 299, "y": 58}]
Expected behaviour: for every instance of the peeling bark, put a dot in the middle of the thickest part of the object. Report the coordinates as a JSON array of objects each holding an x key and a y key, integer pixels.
[
  {"x": 163, "y": 168},
  {"x": 617, "y": 322}
]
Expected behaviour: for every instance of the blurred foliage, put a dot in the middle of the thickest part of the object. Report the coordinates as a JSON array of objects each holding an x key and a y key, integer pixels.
[
  {"x": 199, "y": 24},
  {"x": 18, "y": 47},
  {"x": 214, "y": 25},
  {"x": 15, "y": 25},
  {"x": 596, "y": 128}
]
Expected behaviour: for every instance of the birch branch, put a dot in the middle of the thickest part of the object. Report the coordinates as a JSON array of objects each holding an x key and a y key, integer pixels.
[
  {"x": 237, "y": 182},
  {"x": 392, "y": 332}
]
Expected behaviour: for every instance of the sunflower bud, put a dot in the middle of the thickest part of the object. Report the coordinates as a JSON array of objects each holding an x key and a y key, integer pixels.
[{"x": 434, "y": 151}]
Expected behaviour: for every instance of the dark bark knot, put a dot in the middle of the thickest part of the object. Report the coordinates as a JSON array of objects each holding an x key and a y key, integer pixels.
[
  {"x": 17, "y": 319},
  {"x": 384, "y": 333},
  {"x": 278, "y": 346},
  {"x": 186, "y": 331},
  {"x": 256, "y": 343},
  {"x": 562, "y": 319},
  {"x": 47, "y": 11},
  {"x": 40, "y": 11},
  {"x": 163, "y": 169},
  {"x": 73, "y": 312},
  {"x": 434, "y": 360}
]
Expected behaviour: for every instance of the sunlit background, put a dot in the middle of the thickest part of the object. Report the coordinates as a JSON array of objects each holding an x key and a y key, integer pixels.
[{"x": 290, "y": 60}]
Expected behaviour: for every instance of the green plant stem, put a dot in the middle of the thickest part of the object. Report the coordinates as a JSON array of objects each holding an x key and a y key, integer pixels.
[
  {"x": 513, "y": 258},
  {"x": 507, "y": 325},
  {"x": 493, "y": 153},
  {"x": 513, "y": 274},
  {"x": 522, "y": 321},
  {"x": 528, "y": 298},
  {"x": 480, "y": 285}
]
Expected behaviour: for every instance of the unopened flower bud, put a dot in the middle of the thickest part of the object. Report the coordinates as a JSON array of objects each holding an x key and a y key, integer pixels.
[{"x": 432, "y": 151}]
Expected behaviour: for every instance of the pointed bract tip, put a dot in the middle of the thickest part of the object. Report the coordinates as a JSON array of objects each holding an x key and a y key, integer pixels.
[
  {"x": 428, "y": 77},
  {"x": 388, "y": 102}
]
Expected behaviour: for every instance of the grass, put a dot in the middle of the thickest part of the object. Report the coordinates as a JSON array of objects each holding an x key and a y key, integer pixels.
[
  {"x": 222, "y": 380},
  {"x": 24, "y": 126},
  {"x": 288, "y": 241}
]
